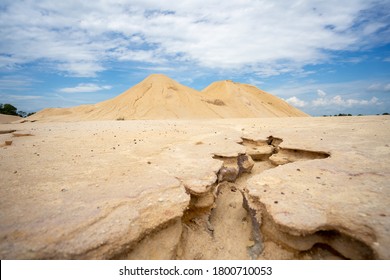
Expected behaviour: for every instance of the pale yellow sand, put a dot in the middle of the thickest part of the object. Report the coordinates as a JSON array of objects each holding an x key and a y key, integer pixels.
[
  {"x": 318, "y": 188},
  {"x": 8, "y": 118}
]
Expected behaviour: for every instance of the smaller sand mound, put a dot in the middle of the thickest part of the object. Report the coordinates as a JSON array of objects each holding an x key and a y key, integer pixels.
[
  {"x": 8, "y": 118},
  {"x": 247, "y": 101}
]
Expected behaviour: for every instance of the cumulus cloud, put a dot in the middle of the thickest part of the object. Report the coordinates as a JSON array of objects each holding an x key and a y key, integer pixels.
[
  {"x": 342, "y": 102},
  {"x": 82, "y": 37},
  {"x": 321, "y": 93},
  {"x": 295, "y": 101},
  {"x": 84, "y": 88}
]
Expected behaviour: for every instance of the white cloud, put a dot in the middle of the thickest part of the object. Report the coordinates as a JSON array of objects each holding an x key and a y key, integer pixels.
[
  {"x": 375, "y": 87},
  {"x": 255, "y": 82},
  {"x": 85, "y": 88},
  {"x": 358, "y": 89},
  {"x": 157, "y": 69},
  {"x": 270, "y": 37},
  {"x": 321, "y": 93},
  {"x": 296, "y": 102},
  {"x": 19, "y": 97},
  {"x": 80, "y": 68},
  {"x": 341, "y": 102},
  {"x": 379, "y": 87},
  {"x": 16, "y": 82},
  {"x": 123, "y": 54}
]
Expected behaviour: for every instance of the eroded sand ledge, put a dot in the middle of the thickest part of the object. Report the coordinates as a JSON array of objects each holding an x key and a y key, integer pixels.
[{"x": 208, "y": 189}]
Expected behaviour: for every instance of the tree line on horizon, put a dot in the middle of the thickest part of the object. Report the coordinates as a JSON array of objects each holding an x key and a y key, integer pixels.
[
  {"x": 350, "y": 115},
  {"x": 9, "y": 109}
]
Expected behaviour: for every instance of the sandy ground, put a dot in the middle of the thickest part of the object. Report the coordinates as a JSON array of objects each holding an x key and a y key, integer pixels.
[{"x": 276, "y": 188}]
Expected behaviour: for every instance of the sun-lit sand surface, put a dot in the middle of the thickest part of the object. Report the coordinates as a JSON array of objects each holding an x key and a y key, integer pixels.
[
  {"x": 8, "y": 118},
  {"x": 189, "y": 189}
]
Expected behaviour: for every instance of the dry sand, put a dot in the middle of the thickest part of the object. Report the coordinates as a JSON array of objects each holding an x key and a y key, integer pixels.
[
  {"x": 8, "y": 118},
  {"x": 273, "y": 188}
]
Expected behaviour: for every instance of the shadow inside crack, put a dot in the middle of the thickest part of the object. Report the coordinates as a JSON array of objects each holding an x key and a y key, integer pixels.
[
  {"x": 220, "y": 224},
  {"x": 263, "y": 150},
  {"x": 224, "y": 222}
]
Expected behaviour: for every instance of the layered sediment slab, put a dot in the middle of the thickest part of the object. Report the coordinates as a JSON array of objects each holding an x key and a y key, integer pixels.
[{"x": 118, "y": 189}]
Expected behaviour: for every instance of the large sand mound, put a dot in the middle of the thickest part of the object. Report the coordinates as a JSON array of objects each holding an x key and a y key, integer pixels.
[{"x": 159, "y": 97}]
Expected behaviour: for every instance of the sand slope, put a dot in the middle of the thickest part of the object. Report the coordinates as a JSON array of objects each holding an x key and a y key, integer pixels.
[
  {"x": 8, "y": 118},
  {"x": 238, "y": 100},
  {"x": 159, "y": 97}
]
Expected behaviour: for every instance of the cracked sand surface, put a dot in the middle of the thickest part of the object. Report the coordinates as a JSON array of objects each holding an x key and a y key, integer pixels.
[{"x": 150, "y": 190}]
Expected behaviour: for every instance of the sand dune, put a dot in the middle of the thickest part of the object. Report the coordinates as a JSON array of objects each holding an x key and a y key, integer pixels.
[
  {"x": 247, "y": 101},
  {"x": 8, "y": 118},
  {"x": 159, "y": 97}
]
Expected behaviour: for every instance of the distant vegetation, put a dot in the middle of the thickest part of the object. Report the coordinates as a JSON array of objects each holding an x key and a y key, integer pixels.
[
  {"x": 8, "y": 109},
  {"x": 350, "y": 115}
]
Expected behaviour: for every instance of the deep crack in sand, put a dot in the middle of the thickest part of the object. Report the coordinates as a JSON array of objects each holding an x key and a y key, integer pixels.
[{"x": 222, "y": 223}]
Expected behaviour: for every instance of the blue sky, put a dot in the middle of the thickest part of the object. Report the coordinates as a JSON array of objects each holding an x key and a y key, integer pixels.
[{"x": 324, "y": 57}]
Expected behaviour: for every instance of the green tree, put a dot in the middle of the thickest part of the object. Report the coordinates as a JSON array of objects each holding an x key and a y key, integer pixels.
[
  {"x": 8, "y": 109},
  {"x": 22, "y": 114}
]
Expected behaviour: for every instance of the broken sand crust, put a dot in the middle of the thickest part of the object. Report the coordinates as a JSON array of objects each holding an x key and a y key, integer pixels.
[{"x": 293, "y": 188}]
